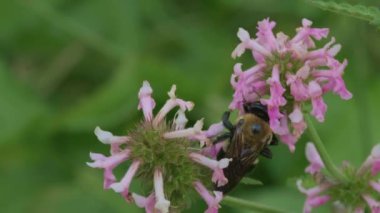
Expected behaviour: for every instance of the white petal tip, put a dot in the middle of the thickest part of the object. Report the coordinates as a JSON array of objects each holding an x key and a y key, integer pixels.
[
  {"x": 223, "y": 163},
  {"x": 103, "y": 136},
  {"x": 117, "y": 187},
  {"x": 162, "y": 206}
]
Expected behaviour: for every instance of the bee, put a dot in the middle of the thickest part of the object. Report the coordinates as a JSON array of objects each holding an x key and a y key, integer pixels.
[{"x": 249, "y": 138}]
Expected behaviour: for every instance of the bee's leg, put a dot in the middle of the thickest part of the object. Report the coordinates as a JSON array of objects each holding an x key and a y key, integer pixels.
[
  {"x": 226, "y": 121},
  {"x": 274, "y": 141},
  {"x": 223, "y": 137},
  {"x": 266, "y": 152}
]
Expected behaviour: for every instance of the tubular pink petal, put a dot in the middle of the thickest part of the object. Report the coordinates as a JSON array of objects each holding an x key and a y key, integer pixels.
[
  {"x": 276, "y": 89},
  {"x": 146, "y": 103},
  {"x": 313, "y": 197},
  {"x": 375, "y": 169},
  {"x": 122, "y": 187},
  {"x": 213, "y": 150},
  {"x": 265, "y": 34},
  {"x": 162, "y": 204},
  {"x": 319, "y": 106},
  {"x": 372, "y": 162},
  {"x": 217, "y": 166},
  {"x": 359, "y": 209},
  {"x": 314, "y": 159},
  {"x": 375, "y": 152},
  {"x": 212, "y": 202},
  {"x": 210, "y": 163},
  {"x": 298, "y": 122},
  {"x": 274, "y": 118},
  {"x": 290, "y": 140},
  {"x": 372, "y": 203},
  {"x": 296, "y": 116},
  {"x": 243, "y": 35},
  {"x": 214, "y": 130},
  {"x": 108, "y": 138},
  {"x": 238, "y": 51},
  {"x": 375, "y": 185},
  {"x": 218, "y": 177},
  {"x": 305, "y": 32},
  {"x": 189, "y": 132},
  {"x": 318, "y": 201},
  {"x": 180, "y": 120},
  {"x": 170, "y": 104},
  {"x": 145, "y": 202},
  {"x": 248, "y": 43},
  {"x": 108, "y": 164}
]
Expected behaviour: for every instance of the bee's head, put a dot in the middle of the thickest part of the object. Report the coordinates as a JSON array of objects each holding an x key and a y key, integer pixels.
[
  {"x": 257, "y": 109},
  {"x": 253, "y": 127}
]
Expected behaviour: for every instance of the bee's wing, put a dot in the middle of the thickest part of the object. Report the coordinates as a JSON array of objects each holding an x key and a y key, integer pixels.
[
  {"x": 245, "y": 151},
  {"x": 236, "y": 145}
]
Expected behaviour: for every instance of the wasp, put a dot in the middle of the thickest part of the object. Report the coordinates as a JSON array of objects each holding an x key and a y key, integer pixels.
[{"x": 249, "y": 138}]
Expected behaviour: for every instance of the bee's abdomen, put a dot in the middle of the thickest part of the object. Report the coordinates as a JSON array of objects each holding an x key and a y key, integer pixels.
[{"x": 235, "y": 171}]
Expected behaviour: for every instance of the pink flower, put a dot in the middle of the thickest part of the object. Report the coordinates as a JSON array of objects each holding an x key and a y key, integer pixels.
[
  {"x": 161, "y": 145},
  {"x": 217, "y": 166},
  {"x": 170, "y": 104},
  {"x": 180, "y": 120},
  {"x": 305, "y": 32},
  {"x": 146, "y": 103},
  {"x": 248, "y": 43},
  {"x": 375, "y": 185},
  {"x": 145, "y": 202},
  {"x": 265, "y": 34},
  {"x": 314, "y": 159},
  {"x": 319, "y": 106},
  {"x": 289, "y": 73},
  {"x": 162, "y": 204},
  {"x": 213, "y": 150},
  {"x": 108, "y": 138},
  {"x": 214, "y": 130},
  {"x": 333, "y": 79},
  {"x": 298, "y": 89},
  {"x": 212, "y": 202},
  {"x": 314, "y": 199},
  {"x": 298, "y": 122},
  {"x": 276, "y": 89},
  {"x": 275, "y": 101},
  {"x": 247, "y": 85},
  {"x": 372, "y": 203},
  {"x": 196, "y": 129},
  {"x": 122, "y": 187},
  {"x": 108, "y": 164},
  {"x": 372, "y": 162},
  {"x": 352, "y": 194}
]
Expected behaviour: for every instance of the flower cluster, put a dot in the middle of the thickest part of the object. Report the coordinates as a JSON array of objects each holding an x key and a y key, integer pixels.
[
  {"x": 361, "y": 189},
  {"x": 289, "y": 73},
  {"x": 165, "y": 152}
]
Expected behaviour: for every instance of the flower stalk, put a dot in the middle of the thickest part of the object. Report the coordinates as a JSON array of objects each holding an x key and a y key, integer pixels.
[
  {"x": 237, "y": 202},
  {"x": 330, "y": 166}
]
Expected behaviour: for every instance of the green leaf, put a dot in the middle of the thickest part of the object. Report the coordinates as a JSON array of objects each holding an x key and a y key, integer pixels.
[
  {"x": 251, "y": 181},
  {"x": 370, "y": 14}
]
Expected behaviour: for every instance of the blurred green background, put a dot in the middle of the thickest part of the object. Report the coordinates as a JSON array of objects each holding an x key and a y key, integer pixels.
[{"x": 68, "y": 66}]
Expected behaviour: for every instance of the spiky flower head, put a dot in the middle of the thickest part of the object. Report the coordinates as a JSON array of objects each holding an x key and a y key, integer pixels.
[
  {"x": 165, "y": 156},
  {"x": 289, "y": 74},
  {"x": 362, "y": 188}
]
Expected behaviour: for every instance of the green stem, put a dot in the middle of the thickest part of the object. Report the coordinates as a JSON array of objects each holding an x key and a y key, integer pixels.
[
  {"x": 330, "y": 166},
  {"x": 240, "y": 203}
]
